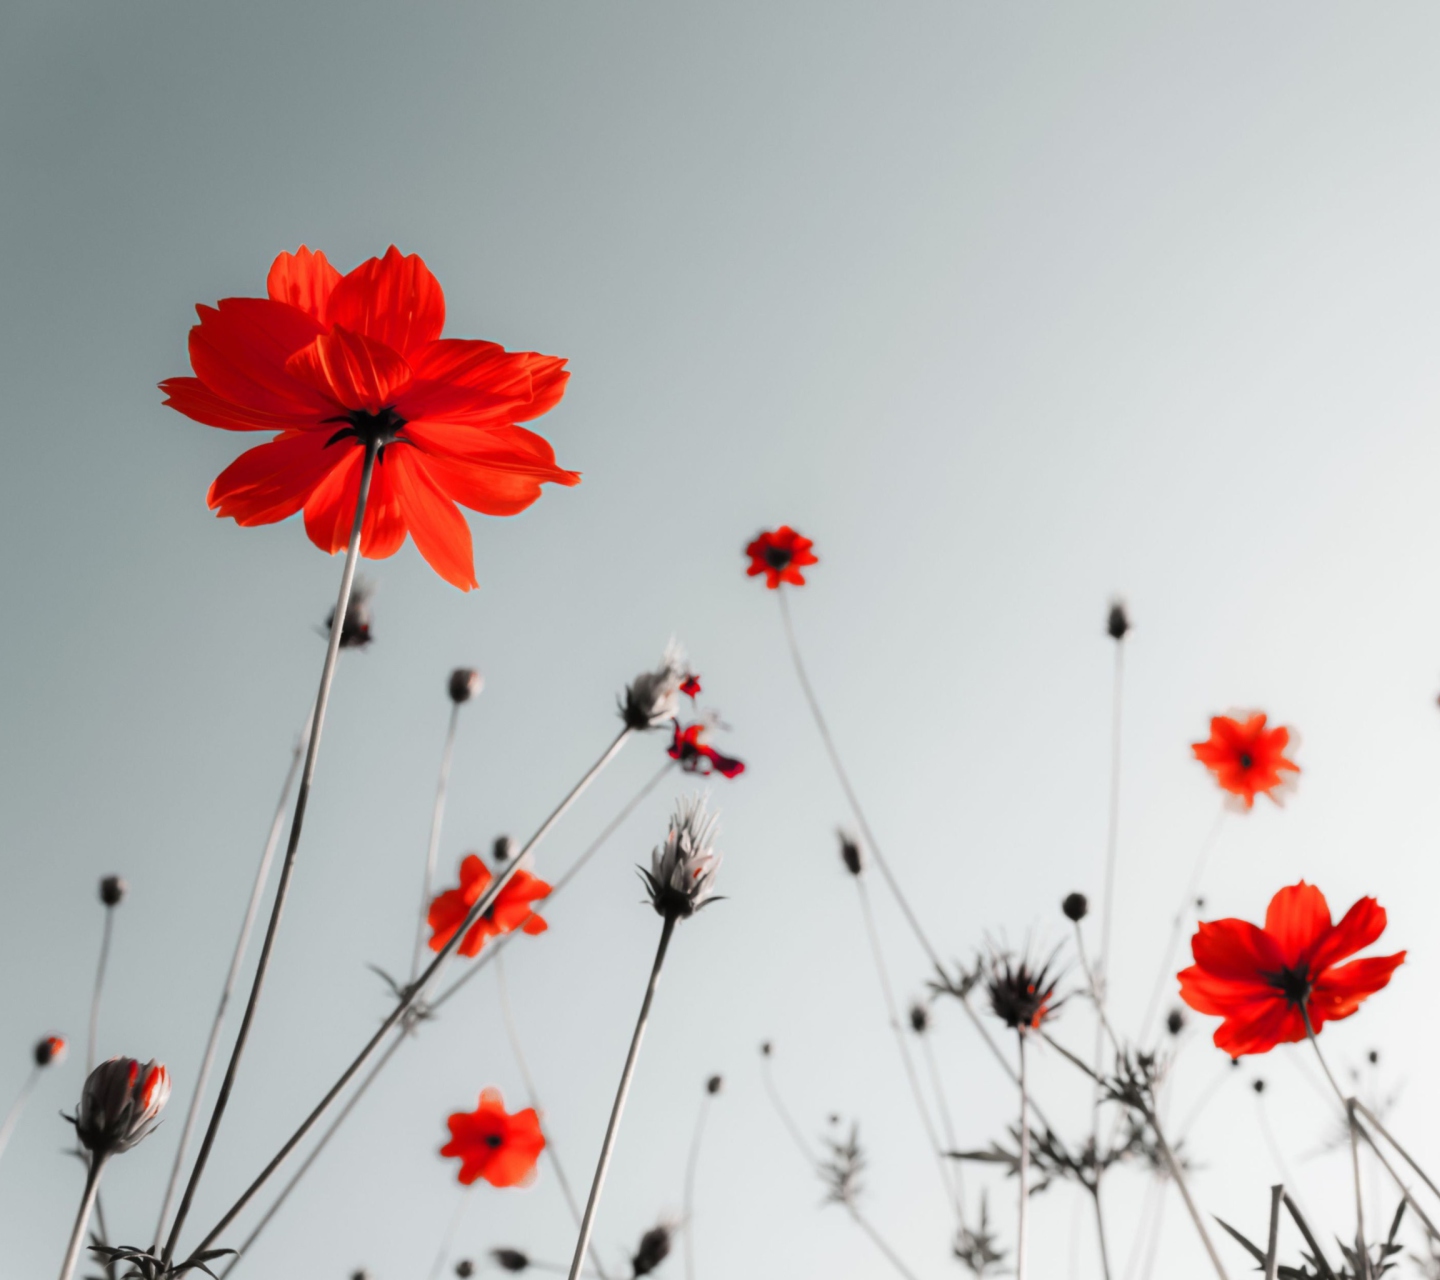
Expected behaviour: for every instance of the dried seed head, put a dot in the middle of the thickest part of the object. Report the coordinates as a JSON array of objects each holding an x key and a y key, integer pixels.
[
  {"x": 1118, "y": 623},
  {"x": 654, "y": 1249},
  {"x": 1175, "y": 1022},
  {"x": 919, "y": 1018},
  {"x": 50, "y": 1052},
  {"x": 503, "y": 849},
  {"x": 714, "y": 1084},
  {"x": 112, "y": 891},
  {"x": 362, "y": 1274},
  {"x": 766, "y": 1048},
  {"x": 1258, "y": 1085},
  {"x": 464, "y": 1269},
  {"x": 653, "y": 698},
  {"x": 355, "y": 630},
  {"x": 1076, "y": 907},
  {"x": 1022, "y": 993},
  {"x": 1373, "y": 1057},
  {"x": 851, "y": 854},
  {"x": 465, "y": 683},
  {"x": 120, "y": 1104},
  {"x": 510, "y": 1259},
  {"x": 681, "y": 878}
]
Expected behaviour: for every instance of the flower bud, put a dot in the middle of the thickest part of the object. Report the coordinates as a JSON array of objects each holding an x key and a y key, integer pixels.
[
  {"x": 654, "y": 1249},
  {"x": 112, "y": 891},
  {"x": 510, "y": 1259},
  {"x": 355, "y": 631},
  {"x": 850, "y": 854},
  {"x": 120, "y": 1105},
  {"x": 919, "y": 1018},
  {"x": 653, "y": 697},
  {"x": 503, "y": 849},
  {"x": 1175, "y": 1023},
  {"x": 465, "y": 683},
  {"x": 766, "y": 1049},
  {"x": 681, "y": 878},
  {"x": 1118, "y": 623},
  {"x": 714, "y": 1084},
  {"x": 50, "y": 1051},
  {"x": 1076, "y": 907},
  {"x": 464, "y": 1269},
  {"x": 1258, "y": 1086}
]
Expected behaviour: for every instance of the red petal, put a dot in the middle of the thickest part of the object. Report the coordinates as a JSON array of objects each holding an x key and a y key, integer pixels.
[
  {"x": 352, "y": 370},
  {"x": 274, "y": 480},
  {"x": 195, "y": 400},
  {"x": 1235, "y": 950},
  {"x": 1340, "y": 991},
  {"x": 1261, "y": 1029},
  {"x": 304, "y": 280},
  {"x": 394, "y": 300},
  {"x": 440, "y": 532},
  {"x": 501, "y": 483},
  {"x": 1358, "y": 928},
  {"x": 239, "y": 350},
  {"x": 330, "y": 509},
  {"x": 383, "y": 533},
  {"x": 1206, "y": 993},
  {"x": 1297, "y": 918}
]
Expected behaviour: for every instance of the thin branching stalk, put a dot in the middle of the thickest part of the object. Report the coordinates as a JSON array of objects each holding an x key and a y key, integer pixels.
[
  {"x": 607, "y": 1148},
  {"x": 1351, "y": 1127},
  {"x": 947, "y": 1123},
  {"x": 93, "y": 1170},
  {"x": 1390, "y": 1138},
  {"x": 232, "y": 977},
  {"x": 1100, "y": 1222},
  {"x": 1101, "y": 1027},
  {"x": 878, "y": 1240},
  {"x": 1024, "y": 1178},
  {"x": 786, "y": 1119},
  {"x": 432, "y": 848},
  {"x": 287, "y": 869},
  {"x": 447, "y": 1241},
  {"x": 106, "y": 933},
  {"x": 1272, "y": 1249},
  {"x": 412, "y": 993},
  {"x": 12, "y": 1117},
  {"x": 692, "y": 1164},
  {"x": 1420, "y": 1213}
]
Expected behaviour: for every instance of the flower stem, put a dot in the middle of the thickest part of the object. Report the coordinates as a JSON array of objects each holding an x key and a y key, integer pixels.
[
  {"x": 448, "y": 1240},
  {"x": 287, "y": 869},
  {"x": 1024, "y": 1178},
  {"x": 412, "y": 994},
  {"x": 106, "y": 933},
  {"x": 1100, "y": 1226},
  {"x": 1350, "y": 1124},
  {"x": 82, "y": 1217},
  {"x": 602, "y": 1167},
  {"x": 242, "y": 944},
  {"x": 1395, "y": 1177},
  {"x": 1390, "y": 1138},
  {"x": 947, "y": 1124},
  {"x": 783, "y": 1112},
  {"x": 1272, "y": 1249},
  {"x": 12, "y": 1117},
  {"x": 692, "y": 1163},
  {"x": 1107, "y": 909},
  {"x": 879, "y": 1241},
  {"x": 432, "y": 850}
]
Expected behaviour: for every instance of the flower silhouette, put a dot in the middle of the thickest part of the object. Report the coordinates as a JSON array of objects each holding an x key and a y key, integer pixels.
[
  {"x": 780, "y": 554},
  {"x": 512, "y": 909},
  {"x": 1246, "y": 758},
  {"x": 494, "y": 1145}
]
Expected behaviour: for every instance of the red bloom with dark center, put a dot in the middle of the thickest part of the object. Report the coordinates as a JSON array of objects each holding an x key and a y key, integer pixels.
[
  {"x": 1246, "y": 757},
  {"x": 780, "y": 554},
  {"x": 334, "y": 363},
  {"x": 494, "y": 1145},
  {"x": 691, "y": 686},
  {"x": 512, "y": 909},
  {"x": 695, "y": 756},
  {"x": 1264, "y": 981}
]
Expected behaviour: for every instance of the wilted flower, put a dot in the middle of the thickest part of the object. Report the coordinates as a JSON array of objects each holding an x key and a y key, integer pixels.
[
  {"x": 50, "y": 1051},
  {"x": 654, "y": 1249},
  {"x": 120, "y": 1104},
  {"x": 465, "y": 683},
  {"x": 355, "y": 630},
  {"x": 494, "y": 1145},
  {"x": 714, "y": 1084},
  {"x": 510, "y": 1259},
  {"x": 512, "y": 909},
  {"x": 851, "y": 854},
  {"x": 1022, "y": 993},
  {"x": 682, "y": 871},
  {"x": 780, "y": 554},
  {"x": 1118, "y": 622},
  {"x": 1246, "y": 758},
  {"x": 653, "y": 697},
  {"x": 697, "y": 756},
  {"x": 1076, "y": 906}
]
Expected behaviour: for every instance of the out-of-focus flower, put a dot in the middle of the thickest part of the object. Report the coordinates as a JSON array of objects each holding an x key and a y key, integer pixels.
[
  {"x": 335, "y": 364},
  {"x": 1022, "y": 992},
  {"x": 356, "y": 632},
  {"x": 681, "y": 878},
  {"x": 690, "y": 686},
  {"x": 465, "y": 683},
  {"x": 112, "y": 891},
  {"x": 1076, "y": 906},
  {"x": 510, "y": 1259},
  {"x": 120, "y": 1104},
  {"x": 1118, "y": 621},
  {"x": 1263, "y": 982},
  {"x": 851, "y": 854},
  {"x": 696, "y": 756},
  {"x": 493, "y": 1144},
  {"x": 653, "y": 697},
  {"x": 780, "y": 554},
  {"x": 50, "y": 1052},
  {"x": 512, "y": 909},
  {"x": 714, "y": 1084},
  {"x": 654, "y": 1249},
  {"x": 1246, "y": 758}
]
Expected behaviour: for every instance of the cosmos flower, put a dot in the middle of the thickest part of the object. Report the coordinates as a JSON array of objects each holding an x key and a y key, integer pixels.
[
  {"x": 780, "y": 554},
  {"x": 695, "y": 756},
  {"x": 1263, "y": 982},
  {"x": 1246, "y": 758},
  {"x": 50, "y": 1051},
  {"x": 512, "y": 909},
  {"x": 334, "y": 364},
  {"x": 1022, "y": 993},
  {"x": 120, "y": 1104},
  {"x": 681, "y": 878},
  {"x": 653, "y": 697},
  {"x": 494, "y": 1145},
  {"x": 690, "y": 687}
]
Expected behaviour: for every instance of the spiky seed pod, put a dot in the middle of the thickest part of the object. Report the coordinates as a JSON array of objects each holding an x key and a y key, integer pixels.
[
  {"x": 652, "y": 699},
  {"x": 851, "y": 854},
  {"x": 113, "y": 890},
  {"x": 465, "y": 683},
  {"x": 120, "y": 1104},
  {"x": 714, "y": 1084},
  {"x": 50, "y": 1051},
  {"x": 1022, "y": 993},
  {"x": 654, "y": 1249},
  {"x": 1076, "y": 907},
  {"x": 510, "y": 1259},
  {"x": 681, "y": 878},
  {"x": 919, "y": 1018},
  {"x": 1118, "y": 621}
]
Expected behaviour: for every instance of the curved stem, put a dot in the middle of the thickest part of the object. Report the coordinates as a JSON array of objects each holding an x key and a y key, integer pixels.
[
  {"x": 12, "y": 1117},
  {"x": 432, "y": 848},
  {"x": 1360, "y": 1246},
  {"x": 1390, "y": 1138},
  {"x": 94, "y": 1032},
  {"x": 783, "y": 1112},
  {"x": 691, "y": 1165},
  {"x": 232, "y": 977},
  {"x": 607, "y": 1149},
  {"x": 82, "y": 1217},
  {"x": 287, "y": 869}
]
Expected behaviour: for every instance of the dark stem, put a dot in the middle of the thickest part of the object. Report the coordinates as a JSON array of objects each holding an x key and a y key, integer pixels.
[
  {"x": 82, "y": 1217},
  {"x": 1024, "y": 1178},
  {"x": 287, "y": 869},
  {"x": 1100, "y": 1222},
  {"x": 100, "y": 967},
  {"x": 783, "y": 1112},
  {"x": 1272, "y": 1249},
  {"x": 432, "y": 848}
]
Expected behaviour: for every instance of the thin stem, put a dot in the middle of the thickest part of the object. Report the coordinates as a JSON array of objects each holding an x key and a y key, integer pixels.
[
  {"x": 447, "y": 1241},
  {"x": 783, "y": 1112},
  {"x": 1350, "y": 1124},
  {"x": 12, "y": 1117},
  {"x": 82, "y": 1217},
  {"x": 1390, "y": 1138},
  {"x": 1272, "y": 1249},
  {"x": 691, "y": 1165},
  {"x": 607, "y": 1148},
  {"x": 878, "y": 1241},
  {"x": 94, "y": 1033},
  {"x": 232, "y": 977},
  {"x": 893, "y": 1013},
  {"x": 1395, "y": 1177},
  {"x": 947, "y": 1124},
  {"x": 287, "y": 869},
  {"x": 1024, "y": 1166},
  {"x": 1157, "y": 1234},
  {"x": 413, "y": 992},
  {"x": 1107, "y": 908},
  {"x": 1100, "y": 1225},
  {"x": 432, "y": 848},
  {"x": 1101, "y": 1027}
]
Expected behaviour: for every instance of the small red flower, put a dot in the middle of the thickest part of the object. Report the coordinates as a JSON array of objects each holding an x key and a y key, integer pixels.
[
  {"x": 696, "y": 757},
  {"x": 333, "y": 363},
  {"x": 50, "y": 1051},
  {"x": 1263, "y": 981},
  {"x": 691, "y": 686},
  {"x": 1246, "y": 757},
  {"x": 780, "y": 555},
  {"x": 494, "y": 1145},
  {"x": 511, "y": 910}
]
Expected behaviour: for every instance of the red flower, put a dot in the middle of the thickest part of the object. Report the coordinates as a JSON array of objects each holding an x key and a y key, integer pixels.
[
  {"x": 696, "y": 757},
  {"x": 51, "y": 1049},
  {"x": 1263, "y": 981},
  {"x": 511, "y": 909},
  {"x": 691, "y": 686},
  {"x": 780, "y": 555},
  {"x": 1246, "y": 757},
  {"x": 333, "y": 363},
  {"x": 493, "y": 1145}
]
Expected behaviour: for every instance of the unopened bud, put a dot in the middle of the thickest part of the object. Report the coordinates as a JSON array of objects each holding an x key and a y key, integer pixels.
[
  {"x": 503, "y": 849},
  {"x": 714, "y": 1084},
  {"x": 1076, "y": 906},
  {"x": 1118, "y": 623},
  {"x": 1175, "y": 1023},
  {"x": 464, "y": 1269},
  {"x": 654, "y": 1249},
  {"x": 112, "y": 891},
  {"x": 1259, "y": 1086},
  {"x": 50, "y": 1051},
  {"x": 851, "y": 854},
  {"x": 465, "y": 683},
  {"x": 120, "y": 1104},
  {"x": 919, "y": 1018},
  {"x": 510, "y": 1259}
]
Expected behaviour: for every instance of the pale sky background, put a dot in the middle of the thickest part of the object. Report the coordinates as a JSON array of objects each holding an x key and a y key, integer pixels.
[{"x": 1010, "y": 307}]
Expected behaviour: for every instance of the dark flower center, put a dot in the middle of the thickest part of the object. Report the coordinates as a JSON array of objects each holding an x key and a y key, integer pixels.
[
  {"x": 1247, "y": 761},
  {"x": 777, "y": 557},
  {"x": 494, "y": 1141},
  {"x": 369, "y": 428},
  {"x": 1293, "y": 984}
]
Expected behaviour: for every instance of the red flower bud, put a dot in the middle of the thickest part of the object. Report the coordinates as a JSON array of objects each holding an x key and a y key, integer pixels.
[{"x": 120, "y": 1104}]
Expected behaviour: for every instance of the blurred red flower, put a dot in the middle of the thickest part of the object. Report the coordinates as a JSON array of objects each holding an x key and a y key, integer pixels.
[
  {"x": 494, "y": 1145},
  {"x": 511, "y": 910},
  {"x": 334, "y": 362},
  {"x": 1246, "y": 757},
  {"x": 1264, "y": 981},
  {"x": 695, "y": 756},
  {"x": 780, "y": 554}
]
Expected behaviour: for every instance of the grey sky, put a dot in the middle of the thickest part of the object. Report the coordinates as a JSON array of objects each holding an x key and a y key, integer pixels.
[{"x": 1009, "y": 307}]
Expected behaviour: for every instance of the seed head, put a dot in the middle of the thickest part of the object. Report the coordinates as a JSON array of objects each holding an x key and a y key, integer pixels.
[
  {"x": 1175, "y": 1022},
  {"x": 654, "y": 1249},
  {"x": 1373, "y": 1057},
  {"x": 464, "y": 1269},
  {"x": 503, "y": 849},
  {"x": 50, "y": 1051},
  {"x": 919, "y": 1018},
  {"x": 120, "y": 1104},
  {"x": 1022, "y": 993},
  {"x": 653, "y": 698},
  {"x": 465, "y": 683},
  {"x": 1118, "y": 623},
  {"x": 113, "y": 890},
  {"x": 851, "y": 854},
  {"x": 714, "y": 1084},
  {"x": 681, "y": 878},
  {"x": 766, "y": 1048},
  {"x": 1076, "y": 907},
  {"x": 1258, "y": 1085},
  {"x": 510, "y": 1259},
  {"x": 355, "y": 630}
]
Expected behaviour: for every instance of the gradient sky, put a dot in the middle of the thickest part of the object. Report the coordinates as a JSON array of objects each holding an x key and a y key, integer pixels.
[{"x": 1009, "y": 307}]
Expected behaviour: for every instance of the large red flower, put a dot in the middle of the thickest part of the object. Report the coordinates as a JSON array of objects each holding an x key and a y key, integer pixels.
[
  {"x": 1246, "y": 757},
  {"x": 494, "y": 1145},
  {"x": 512, "y": 909},
  {"x": 780, "y": 554},
  {"x": 1264, "y": 981},
  {"x": 333, "y": 363}
]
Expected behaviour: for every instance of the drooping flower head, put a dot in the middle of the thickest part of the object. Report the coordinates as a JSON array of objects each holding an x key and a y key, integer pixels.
[
  {"x": 681, "y": 878},
  {"x": 653, "y": 697},
  {"x": 1021, "y": 991},
  {"x": 695, "y": 755},
  {"x": 120, "y": 1104},
  {"x": 513, "y": 908},
  {"x": 1246, "y": 758},
  {"x": 50, "y": 1052},
  {"x": 356, "y": 632},
  {"x": 491, "y": 1143},
  {"x": 465, "y": 683},
  {"x": 1264, "y": 981},
  {"x": 780, "y": 554},
  {"x": 334, "y": 364}
]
